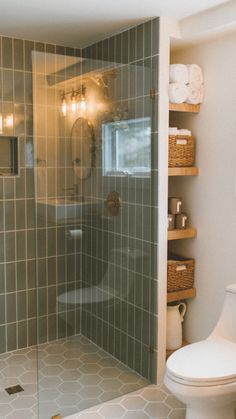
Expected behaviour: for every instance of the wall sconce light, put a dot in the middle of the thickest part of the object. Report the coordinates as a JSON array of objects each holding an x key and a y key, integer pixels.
[
  {"x": 63, "y": 105},
  {"x": 75, "y": 105}
]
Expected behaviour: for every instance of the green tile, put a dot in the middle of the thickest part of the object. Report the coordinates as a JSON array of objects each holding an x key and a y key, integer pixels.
[
  {"x": 21, "y": 245},
  {"x": 2, "y": 278},
  {"x": 42, "y": 301},
  {"x": 32, "y": 332},
  {"x": 20, "y": 214},
  {"x": 10, "y": 247},
  {"x": 21, "y": 275},
  {"x": 21, "y": 306},
  {"x": 2, "y": 309},
  {"x": 11, "y": 307},
  {"x": 9, "y": 215},
  {"x": 32, "y": 304},
  {"x": 7, "y": 52},
  {"x": 28, "y": 48},
  {"x": 22, "y": 334},
  {"x": 42, "y": 272},
  {"x": 10, "y": 277},
  {"x": 31, "y": 273},
  {"x": 2, "y": 339},
  {"x": 11, "y": 337},
  {"x": 19, "y": 88},
  {"x": 18, "y": 46},
  {"x": 7, "y": 85}
]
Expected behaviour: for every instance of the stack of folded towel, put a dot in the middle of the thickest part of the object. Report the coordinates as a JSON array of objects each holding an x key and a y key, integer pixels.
[
  {"x": 186, "y": 84},
  {"x": 176, "y": 131}
]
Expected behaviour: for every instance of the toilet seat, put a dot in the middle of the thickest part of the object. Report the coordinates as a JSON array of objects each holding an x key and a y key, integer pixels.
[{"x": 210, "y": 362}]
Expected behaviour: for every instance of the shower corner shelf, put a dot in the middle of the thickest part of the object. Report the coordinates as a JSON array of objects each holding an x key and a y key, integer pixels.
[
  {"x": 184, "y": 107},
  {"x": 187, "y": 233},
  {"x": 183, "y": 171},
  {"x": 181, "y": 295},
  {"x": 171, "y": 351}
]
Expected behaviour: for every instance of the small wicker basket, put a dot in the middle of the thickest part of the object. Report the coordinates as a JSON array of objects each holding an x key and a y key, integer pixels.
[
  {"x": 180, "y": 273},
  {"x": 181, "y": 151}
]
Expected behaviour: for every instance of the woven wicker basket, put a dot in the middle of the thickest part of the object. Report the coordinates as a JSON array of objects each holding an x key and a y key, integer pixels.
[
  {"x": 181, "y": 151},
  {"x": 180, "y": 273}
]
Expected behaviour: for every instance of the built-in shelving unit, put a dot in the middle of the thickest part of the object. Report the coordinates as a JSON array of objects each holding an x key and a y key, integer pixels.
[
  {"x": 187, "y": 233},
  {"x": 184, "y": 107},
  {"x": 181, "y": 295},
  {"x": 183, "y": 171}
]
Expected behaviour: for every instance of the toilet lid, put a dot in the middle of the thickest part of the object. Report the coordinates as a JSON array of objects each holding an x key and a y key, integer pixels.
[{"x": 209, "y": 362}]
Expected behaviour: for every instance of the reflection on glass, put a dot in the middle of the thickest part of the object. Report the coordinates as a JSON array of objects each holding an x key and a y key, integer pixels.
[{"x": 127, "y": 147}]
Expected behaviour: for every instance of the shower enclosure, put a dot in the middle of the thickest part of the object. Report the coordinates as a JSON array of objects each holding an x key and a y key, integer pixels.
[{"x": 89, "y": 161}]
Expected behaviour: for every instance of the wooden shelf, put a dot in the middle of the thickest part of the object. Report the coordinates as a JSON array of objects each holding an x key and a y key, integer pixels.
[
  {"x": 181, "y": 295},
  {"x": 184, "y": 107},
  {"x": 183, "y": 171},
  {"x": 187, "y": 233},
  {"x": 171, "y": 351}
]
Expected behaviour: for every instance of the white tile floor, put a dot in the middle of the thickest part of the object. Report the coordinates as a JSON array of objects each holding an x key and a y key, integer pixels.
[
  {"x": 73, "y": 374},
  {"x": 151, "y": 402}
]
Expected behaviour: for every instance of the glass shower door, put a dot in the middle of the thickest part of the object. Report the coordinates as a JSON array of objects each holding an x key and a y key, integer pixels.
[{"x": 95, "y": 140}]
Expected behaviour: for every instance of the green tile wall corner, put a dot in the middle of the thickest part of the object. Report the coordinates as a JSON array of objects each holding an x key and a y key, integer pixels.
[{"x": 120, "y": 332}]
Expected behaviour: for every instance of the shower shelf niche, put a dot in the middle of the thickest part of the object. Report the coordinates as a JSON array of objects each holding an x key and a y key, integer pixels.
[{"x": 9, "y": 156}]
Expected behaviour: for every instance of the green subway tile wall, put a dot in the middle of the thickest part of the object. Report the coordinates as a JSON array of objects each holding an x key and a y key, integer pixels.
[{"x": 23, "y": 278}]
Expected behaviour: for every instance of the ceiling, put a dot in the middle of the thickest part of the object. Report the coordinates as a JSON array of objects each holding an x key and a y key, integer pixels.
[{"x": 80, "y": 22}]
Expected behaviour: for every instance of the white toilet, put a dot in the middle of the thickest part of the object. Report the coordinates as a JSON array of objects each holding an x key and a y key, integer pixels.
[{"x": 203, "y": 375}]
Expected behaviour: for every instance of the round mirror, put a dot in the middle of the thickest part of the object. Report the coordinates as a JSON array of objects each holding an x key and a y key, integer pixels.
[{"x": 82, "y": 147}]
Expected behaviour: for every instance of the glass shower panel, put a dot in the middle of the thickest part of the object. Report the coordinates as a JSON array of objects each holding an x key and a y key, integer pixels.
[{"x": 95, "y": 144}]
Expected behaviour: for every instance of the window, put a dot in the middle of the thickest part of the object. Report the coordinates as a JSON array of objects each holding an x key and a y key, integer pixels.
[{"x": 127, "y": 148}]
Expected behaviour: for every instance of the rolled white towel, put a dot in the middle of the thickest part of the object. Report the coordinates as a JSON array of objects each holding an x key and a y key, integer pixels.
[
  {"x": 194, "y": 74},
  {"x": 186, "y": 132},
  {"x": 173, "y": 131},
  {"x": 178, "y": 92},
  {"x": 194, "y": 95},
  {"x": 178, "y": 73}
]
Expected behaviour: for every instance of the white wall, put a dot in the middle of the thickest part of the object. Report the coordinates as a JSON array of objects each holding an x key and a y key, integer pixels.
[{"x": 210, "y": 199}]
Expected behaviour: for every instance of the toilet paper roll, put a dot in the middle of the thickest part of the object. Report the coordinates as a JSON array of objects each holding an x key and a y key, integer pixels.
[{"x": 74, "y": 234}]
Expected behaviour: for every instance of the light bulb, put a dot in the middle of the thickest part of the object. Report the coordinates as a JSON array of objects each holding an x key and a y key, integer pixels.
[
  {"x": 63, "y": 106},
  {"x": 1, "y": 124},
  {"x": 83, "y": 105},
  {"x": 74, "y": 104},
  {"x": 8, "y": 120}
]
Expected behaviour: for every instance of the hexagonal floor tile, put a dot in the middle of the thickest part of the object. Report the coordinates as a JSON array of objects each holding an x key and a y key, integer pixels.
[{"x": 74, "y": 374}]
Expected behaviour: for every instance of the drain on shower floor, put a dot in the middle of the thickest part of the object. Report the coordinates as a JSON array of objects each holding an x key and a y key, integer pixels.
[{"x": 14, "y": 389}]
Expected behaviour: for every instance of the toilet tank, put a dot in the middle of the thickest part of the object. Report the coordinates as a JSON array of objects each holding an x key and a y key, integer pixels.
[{"x": 226, "y": 325}]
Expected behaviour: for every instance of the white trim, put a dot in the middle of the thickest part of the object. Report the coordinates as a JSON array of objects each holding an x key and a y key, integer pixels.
[{"x": 168, "y": 27}]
